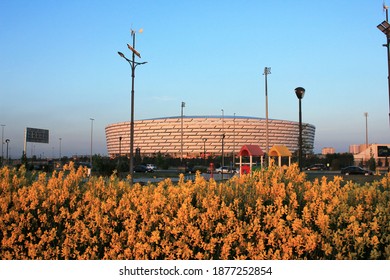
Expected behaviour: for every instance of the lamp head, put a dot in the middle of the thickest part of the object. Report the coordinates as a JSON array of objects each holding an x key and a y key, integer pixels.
[
  {"x": 384, "y": 27},
  {"x": 121, "y": 54},
  {"x": 300, "y": 92}
]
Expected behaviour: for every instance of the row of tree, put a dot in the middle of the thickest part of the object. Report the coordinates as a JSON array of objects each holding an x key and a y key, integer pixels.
[{"x": 105, "y": 166}]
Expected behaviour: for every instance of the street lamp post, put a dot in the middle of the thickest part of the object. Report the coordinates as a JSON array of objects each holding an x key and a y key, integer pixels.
[
  {"x": 385, "y": 28},
  {"x": 223, "y": 158},
  {"x": 183, "y": 104},
  {"x": 204, "y": 150},
  {"x": 60, "y": 150},
  {"x": 120, "y": 147},
  {"x": 365, "y": 153},
  {"x": 234, "y": 141},
  {"x": 90, "y": 156},
  {"x": 267, "y": 70},
  {"x": 7, "y": 141},
  {"x": 366, "y": 116},
  {"x": 223, "y": 137},
  {"x": 2, "y": 143},
  {"x": 133, "y": 65},
  {"x": 300, "y": 92}
]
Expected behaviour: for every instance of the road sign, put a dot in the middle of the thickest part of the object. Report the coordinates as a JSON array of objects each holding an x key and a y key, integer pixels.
[{"x": 37, "y": 135}]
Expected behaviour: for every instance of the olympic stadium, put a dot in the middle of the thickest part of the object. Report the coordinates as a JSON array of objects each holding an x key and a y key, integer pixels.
[{"x": 191, "y": 136}]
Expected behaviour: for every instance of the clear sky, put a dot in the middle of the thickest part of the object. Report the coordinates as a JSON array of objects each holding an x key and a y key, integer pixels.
[{"x": 59, "y": 66}]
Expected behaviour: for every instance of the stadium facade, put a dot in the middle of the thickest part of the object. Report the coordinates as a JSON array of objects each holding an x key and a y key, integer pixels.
[{"x": 196, "y": 134}]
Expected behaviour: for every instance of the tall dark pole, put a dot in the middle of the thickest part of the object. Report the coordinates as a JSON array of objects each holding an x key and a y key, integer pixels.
[
  {"x": 300, "y": 92},
  {"x": 223, "y": 137},
  {"x": 385, "y": 28},
  {"x": 59, "y": 154},
  {"x": 120, "y": 146},
  {"x": 7, "y": 141},
  {"x": 2, "y": 143},
  {"x": 132, "y": 113},
  {"x": 267, "y": 70},
  {"x": 388, "y": 57},
  {"x": 133, "y": 65},
  {"x": 90, "y": 156},
  {"x": 300, "y": 134},
  {"x": 387, "y": 45},
  {"x": 204, "y": 151},
  {"x": 234, "y": 142},
  {"x": 223, "y": 158},
  {"x": 183, "y": 104}
]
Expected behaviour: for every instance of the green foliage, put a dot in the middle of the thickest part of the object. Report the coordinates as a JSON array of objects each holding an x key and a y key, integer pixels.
[
  {"x": 371, "y": 164},
  {"x": 339, "y": 161}
]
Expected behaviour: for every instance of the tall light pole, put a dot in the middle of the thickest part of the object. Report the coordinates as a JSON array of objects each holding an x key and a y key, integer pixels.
[
  {"x": 366, "y": 116},
  {"x": 60, "y": 149},
  {"x": 365, "y": 152},
  {"x": 385, "y": 28},
  {"x": 300, "y": 92},
  {"x": 7, "y": 141},
  {"x": 183, "y": 104},
  {"x": 133, "y": 65},
  {"x": 222, "y": 138},
  {"x": 2, "y": 143},
  {"x": 204, "y": 150},
  {"x": 120, "y": 147},
  {"x": 90, "y": 156},
  {"x": 234, "y": 141},
  {"x": 267, "y": 71}
]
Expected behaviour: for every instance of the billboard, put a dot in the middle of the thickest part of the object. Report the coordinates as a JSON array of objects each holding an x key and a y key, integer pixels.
[
  {"x": 383, "y": 151},
  {"x": 37, "y": 135}
]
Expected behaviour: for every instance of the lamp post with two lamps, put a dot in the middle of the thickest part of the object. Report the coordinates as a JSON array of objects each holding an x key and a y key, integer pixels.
[
  {"x": 300, "y": 92},
  {"x": 133, "y": 65}
]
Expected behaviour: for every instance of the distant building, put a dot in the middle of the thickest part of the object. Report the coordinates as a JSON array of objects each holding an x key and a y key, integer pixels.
[
  {"x": 354, "y": 149},
  {"x": 328, "y": 150},
  {"x": 377, "y": 151},
  {"x": 163, "y": 135}
]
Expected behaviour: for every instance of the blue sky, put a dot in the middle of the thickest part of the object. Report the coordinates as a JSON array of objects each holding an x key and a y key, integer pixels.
[{"x": 60, "y": 67}]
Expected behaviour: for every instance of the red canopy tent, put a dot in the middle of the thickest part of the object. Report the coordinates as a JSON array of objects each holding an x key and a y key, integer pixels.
[{"x": 250, "y": 151}]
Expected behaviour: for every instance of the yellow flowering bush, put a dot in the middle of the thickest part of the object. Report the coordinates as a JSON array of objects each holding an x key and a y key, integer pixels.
[{"x": 270, "y": 214}]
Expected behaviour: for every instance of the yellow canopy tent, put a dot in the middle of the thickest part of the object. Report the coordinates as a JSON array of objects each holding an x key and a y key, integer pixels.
[{"x": 280, "y": 151}]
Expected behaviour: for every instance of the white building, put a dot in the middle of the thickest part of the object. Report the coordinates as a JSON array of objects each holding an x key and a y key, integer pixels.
[{"x": 377, "y": 151}]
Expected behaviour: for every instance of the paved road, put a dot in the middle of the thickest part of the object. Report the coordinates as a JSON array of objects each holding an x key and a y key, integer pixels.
[{"x": 311, "y": 175}]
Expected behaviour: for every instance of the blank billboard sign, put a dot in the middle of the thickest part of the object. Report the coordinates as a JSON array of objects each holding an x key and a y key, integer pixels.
[
  {"x": 383, "y": 151},
  {"x": 37, "y": 135}
]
